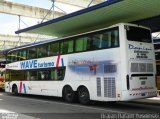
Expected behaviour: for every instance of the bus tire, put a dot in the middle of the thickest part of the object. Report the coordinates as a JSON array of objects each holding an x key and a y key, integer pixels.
[
  {"x": 68, "y": 94},
  {"x": 15, "y": 89},
  {"x": 83, "y": 95}
]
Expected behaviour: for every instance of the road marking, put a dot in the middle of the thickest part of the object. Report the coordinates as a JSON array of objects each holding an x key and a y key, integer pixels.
[
  {"x": 5, "y": 111},
  {"x": 154, "y": 98},
  {"x": 73, "y": 105},
  {"x": 6, "y": 114}
]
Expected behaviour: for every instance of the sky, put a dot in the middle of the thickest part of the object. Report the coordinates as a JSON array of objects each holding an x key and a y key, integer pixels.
[{"x": 10, "y": 23}]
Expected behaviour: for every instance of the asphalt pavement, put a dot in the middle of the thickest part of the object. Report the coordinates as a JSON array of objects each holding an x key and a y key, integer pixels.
[
  {"x": 152, "y": 101},
  {"x": 45, "y": 107}
]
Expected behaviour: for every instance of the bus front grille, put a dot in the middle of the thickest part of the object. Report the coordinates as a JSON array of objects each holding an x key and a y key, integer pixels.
[{"x": 109, "y": 87}]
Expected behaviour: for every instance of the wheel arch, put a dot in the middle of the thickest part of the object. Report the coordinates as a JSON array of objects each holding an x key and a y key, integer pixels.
[
  {"x": 67, "y": 85},
  {"x": 13, "y": 86},
  {"x": 15, "y": 89}
]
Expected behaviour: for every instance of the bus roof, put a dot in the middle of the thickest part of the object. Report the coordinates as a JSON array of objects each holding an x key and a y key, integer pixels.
[{"x": 99, "y": 16}]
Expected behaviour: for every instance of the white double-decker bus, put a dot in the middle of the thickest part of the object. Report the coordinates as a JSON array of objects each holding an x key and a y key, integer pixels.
[{"x": 111, "y": 64}]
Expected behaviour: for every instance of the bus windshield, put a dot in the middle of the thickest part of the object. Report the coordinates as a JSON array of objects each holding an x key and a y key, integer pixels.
[{"x": 138, "y": 34}]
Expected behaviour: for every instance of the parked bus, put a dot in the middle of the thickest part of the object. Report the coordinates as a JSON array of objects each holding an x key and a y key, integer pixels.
[
  {"x": 157, "y": 58},
  {"x": 158, "y": 71},
  {"x": 110, "y": 64},
  {"x": 158, "y": 77},
  {"x": 2, "y": 74}
]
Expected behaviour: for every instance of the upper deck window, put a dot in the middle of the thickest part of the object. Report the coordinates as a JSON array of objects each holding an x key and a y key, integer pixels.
[
  {"x": 138, "y": 34},
  {"x": 100, "y": 40},
  {"x": 32, "y": 53},
  {"x": 42, "y": 51},
  {"x": 103, "y": 39}
]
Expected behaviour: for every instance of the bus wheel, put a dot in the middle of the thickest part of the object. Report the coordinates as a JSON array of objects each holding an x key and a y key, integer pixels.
[
  {"x": 83, "y": 95},
  {"x": 15, "y": 89},
  {"x": 68, "y": 94}
]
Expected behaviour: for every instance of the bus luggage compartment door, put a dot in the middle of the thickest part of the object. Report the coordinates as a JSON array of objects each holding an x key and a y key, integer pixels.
[{"x": 139, "y": 82}]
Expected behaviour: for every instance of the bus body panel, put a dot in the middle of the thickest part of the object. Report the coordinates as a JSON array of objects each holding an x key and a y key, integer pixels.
[
  {"x": 80, "y": 69},
  {"x": 106, "y": 73},
  {"x": 140, "y": 69}
]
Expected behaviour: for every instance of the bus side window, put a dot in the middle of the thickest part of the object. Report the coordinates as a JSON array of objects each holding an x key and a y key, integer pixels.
[
  {"x": 1, "y": 73},
  {"x": 28, "y": 75},
  {"x": 106, "y": 40},
  {"x": 52, "y": 75},
  {"x": 9, "y": 58},
  {"x": 43, "y": 75},
  {"x": 96, "y": 41},
  {"x": 42, "y": 51},
  {"x": 114, "y": 38},
  {"x": 53, "y": 49},
  {"x": 70, "y": 46},
  {"x": 91, "y": 43},
  {"x": 14, "y": 56},
  {"x": 24, "y": 54},
  {"x": 64, "y": 47},
  {"x": 80, "y": 44},
  {"x": 32, "y": 53},
  {"x": 33, "y": 75},
  {"x": 67, "y": 47},
  {"x": 60, "y": 74},
  {"x": 57, "y": 74}
]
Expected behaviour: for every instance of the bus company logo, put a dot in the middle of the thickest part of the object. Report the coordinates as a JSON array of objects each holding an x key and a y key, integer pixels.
[
  {"x": 130, "y": 46},
  {"x": 32, "y": 64}
]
